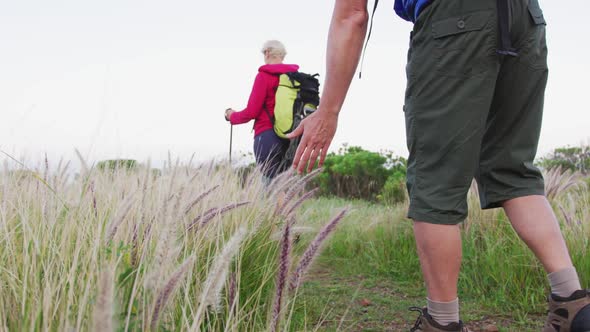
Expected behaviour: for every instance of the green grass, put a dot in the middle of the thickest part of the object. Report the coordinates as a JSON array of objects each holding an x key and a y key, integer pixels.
[
  {"x": 335, "y": 302},
  {"x": 500, "y": 278}
]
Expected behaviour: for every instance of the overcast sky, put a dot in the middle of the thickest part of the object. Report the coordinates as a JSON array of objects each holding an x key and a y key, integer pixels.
[{"x": 135, "y": 79}]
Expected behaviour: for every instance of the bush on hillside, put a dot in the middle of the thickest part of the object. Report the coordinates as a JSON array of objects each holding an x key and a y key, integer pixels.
[
  {"x": 394, "y": 190},
  {"x": 117, "y": 164},
  {"x": 360, "y": 174},
  {"x": 575, "y": 158}
]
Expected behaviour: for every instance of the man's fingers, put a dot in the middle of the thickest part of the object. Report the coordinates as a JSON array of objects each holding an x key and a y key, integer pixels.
[
  {"x": 304, "y": 159},
  {"x": 297, "y": 156},
  {"x": 297, "y": 132},
  {"x": 299, "y": 152},
  {"x": 312, "y": 159}
]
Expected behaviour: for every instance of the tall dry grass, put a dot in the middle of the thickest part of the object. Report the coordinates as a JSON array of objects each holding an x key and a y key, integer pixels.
[{"x": 189, "y": 248}]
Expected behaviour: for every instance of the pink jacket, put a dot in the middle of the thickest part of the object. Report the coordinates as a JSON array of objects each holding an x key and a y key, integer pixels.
[{"x": 261, "y": 97}]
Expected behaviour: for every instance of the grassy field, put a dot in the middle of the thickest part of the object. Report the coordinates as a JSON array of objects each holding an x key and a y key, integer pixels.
[
  {"x": 197, "y": 248},
  {"x": 368, "y": 274}
]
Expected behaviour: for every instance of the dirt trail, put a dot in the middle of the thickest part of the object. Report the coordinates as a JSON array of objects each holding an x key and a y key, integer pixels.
[{"x": 359, "y": 303}]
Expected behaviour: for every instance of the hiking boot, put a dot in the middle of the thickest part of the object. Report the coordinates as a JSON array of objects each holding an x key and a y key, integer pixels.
[
  {"x": 569, "y": 314},
  {"x": 425, "y": 323}
]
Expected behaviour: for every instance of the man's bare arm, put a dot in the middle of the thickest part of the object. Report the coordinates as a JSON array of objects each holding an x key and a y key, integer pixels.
[{"x": 345, "y": 41}]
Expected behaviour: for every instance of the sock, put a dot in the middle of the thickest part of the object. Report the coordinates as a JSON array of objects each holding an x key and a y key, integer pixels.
[
  {"x": 444, "y": 313},
  {"x": 564, "y": 282}
]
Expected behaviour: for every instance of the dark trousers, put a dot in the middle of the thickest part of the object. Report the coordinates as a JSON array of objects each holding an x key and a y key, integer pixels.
[{"x": 270, "y": 150}]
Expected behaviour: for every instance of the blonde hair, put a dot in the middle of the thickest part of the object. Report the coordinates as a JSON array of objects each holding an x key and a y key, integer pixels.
[{"x": 276, "y": 49}]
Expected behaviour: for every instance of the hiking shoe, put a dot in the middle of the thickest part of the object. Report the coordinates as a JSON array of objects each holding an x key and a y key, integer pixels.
[
  {"x": 569, "y": 314},
  {"x": 425, "y": 323}
]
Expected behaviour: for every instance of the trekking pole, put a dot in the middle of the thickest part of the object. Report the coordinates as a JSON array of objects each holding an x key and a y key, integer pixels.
[{"x": 231, "y": 136}]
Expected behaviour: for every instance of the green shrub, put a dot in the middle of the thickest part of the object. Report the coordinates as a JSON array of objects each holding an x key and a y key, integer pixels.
[
  {"x": 575, "y": 158},
  {"x": 394, "y": 190},
  {"x": 117, "y": 164},
  {"x": 357, "y": 173}
]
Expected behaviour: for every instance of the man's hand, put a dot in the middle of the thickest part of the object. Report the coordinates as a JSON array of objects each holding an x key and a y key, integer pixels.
[
  {"x": 228, "y": 113},
  {"x": 318, "y": 131},
  {"x": 345, "y": 42}
]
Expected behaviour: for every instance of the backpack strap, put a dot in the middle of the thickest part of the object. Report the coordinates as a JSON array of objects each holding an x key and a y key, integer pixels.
[
  {"x": 505, "y": 47},
  {"x": 368, "y": 37},
  {"x": 272, "y": 118}
]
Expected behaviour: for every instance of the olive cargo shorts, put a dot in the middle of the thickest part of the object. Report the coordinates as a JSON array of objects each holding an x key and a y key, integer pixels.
[{"x": 471, "y": 112}]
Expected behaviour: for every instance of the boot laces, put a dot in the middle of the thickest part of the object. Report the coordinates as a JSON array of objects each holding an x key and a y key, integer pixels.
[{"x": 418, "y": 322}]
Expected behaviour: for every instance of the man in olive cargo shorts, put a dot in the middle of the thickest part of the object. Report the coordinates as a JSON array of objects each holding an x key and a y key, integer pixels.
[{"x": 476, "y": 77}]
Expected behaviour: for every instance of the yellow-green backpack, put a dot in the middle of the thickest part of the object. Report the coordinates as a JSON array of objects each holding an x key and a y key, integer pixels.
[{"x": 297, "y": 97}]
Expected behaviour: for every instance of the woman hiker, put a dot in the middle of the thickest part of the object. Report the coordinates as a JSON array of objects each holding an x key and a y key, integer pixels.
[{"x": 269, "y": 149}]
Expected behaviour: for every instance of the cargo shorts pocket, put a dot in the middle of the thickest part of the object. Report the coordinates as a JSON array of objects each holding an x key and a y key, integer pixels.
[
  {"x": 534, "y": 50},
  {"x": 464, "y": 44},
  {"x": 536, "y": 13}
]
